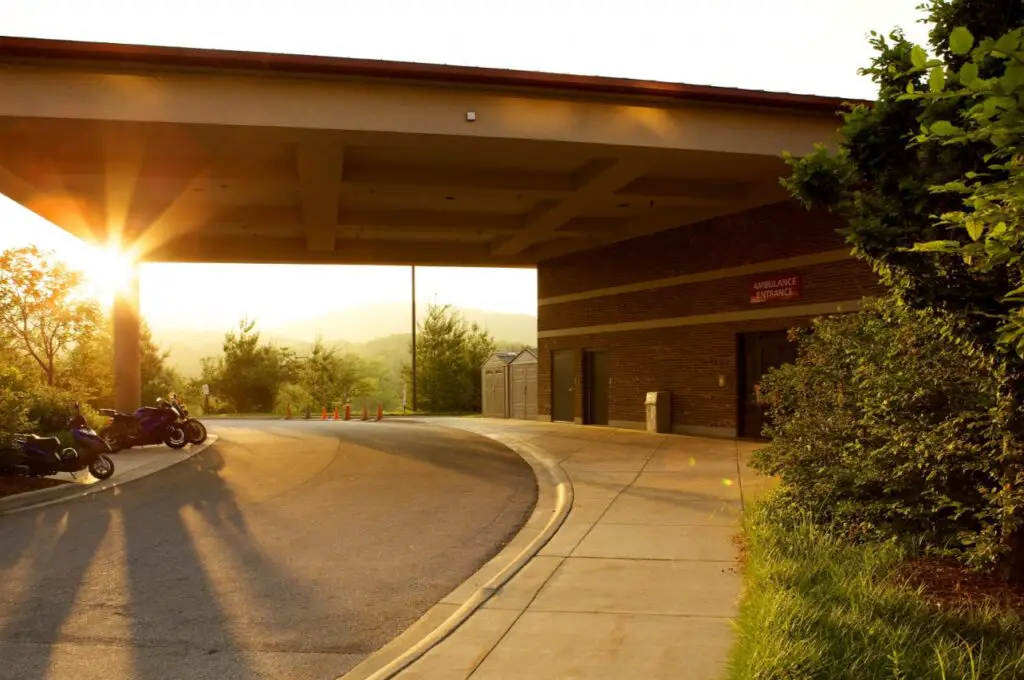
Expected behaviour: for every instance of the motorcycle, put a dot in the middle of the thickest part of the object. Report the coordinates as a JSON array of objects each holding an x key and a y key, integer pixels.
[
  {"x": 42, "y": 456},
  {"x": 196, "y": 430},
  {"x": 149, "y": 425}
]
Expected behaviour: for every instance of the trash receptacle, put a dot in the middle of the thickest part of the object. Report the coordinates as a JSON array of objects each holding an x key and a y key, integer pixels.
[{"x": 659, "y": 414}]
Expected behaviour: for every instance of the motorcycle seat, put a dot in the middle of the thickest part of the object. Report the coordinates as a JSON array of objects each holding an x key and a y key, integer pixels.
[
  {"x": 114, "y": 414},
  {"x": 50, "y": 444}
]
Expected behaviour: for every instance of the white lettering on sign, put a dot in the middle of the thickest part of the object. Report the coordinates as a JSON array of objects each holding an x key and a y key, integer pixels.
[
  {"x": 787, "y": 282},
  {"x": 778, "y": 288}
]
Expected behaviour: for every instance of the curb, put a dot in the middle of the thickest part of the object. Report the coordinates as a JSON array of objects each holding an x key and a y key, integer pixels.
[
  {"x": 44, "y": 497},
  {"x": 431, "y": 629}
]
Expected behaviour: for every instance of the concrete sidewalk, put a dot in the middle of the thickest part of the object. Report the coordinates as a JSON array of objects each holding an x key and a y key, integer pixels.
[{"x": 641, "y": 580}]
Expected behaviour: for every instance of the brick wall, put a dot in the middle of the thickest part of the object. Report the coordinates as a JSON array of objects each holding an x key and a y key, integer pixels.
[
  {"x": 768, "y": 233},
  {"x": 696, "y": 363}
]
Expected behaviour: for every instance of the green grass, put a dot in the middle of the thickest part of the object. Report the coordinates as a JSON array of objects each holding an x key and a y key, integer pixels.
[{"x": 816, "y": 606}]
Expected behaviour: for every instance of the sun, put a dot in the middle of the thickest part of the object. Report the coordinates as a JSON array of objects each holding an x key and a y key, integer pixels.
[{"x": 109, "y": 271}]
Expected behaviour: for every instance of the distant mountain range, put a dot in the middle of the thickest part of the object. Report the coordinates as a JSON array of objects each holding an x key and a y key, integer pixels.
[{"x": 371, "y": 331}]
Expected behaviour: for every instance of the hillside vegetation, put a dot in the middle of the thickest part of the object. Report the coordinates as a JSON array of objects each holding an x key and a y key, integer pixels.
[
  {"x": 249, "y": 373},
  {"x": 378, "y": 332}
]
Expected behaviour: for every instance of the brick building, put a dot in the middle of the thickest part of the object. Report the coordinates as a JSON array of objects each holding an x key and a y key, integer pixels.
[
  {"x": 700, "y": 311},
  {"x": 299, "y": 159}
]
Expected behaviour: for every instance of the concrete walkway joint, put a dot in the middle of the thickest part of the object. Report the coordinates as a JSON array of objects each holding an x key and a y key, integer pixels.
[{"x": 640, "y": 580}]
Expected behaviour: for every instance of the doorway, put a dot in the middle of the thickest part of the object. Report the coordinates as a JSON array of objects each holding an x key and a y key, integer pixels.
[
  {"x": 595, "y": 386},
  {"x": 563, "y": 385},
  {"x": 756, "y": 353}
]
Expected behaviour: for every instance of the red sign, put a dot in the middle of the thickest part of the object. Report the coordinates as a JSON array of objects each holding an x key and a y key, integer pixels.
[{"x": 778, "y": 288}]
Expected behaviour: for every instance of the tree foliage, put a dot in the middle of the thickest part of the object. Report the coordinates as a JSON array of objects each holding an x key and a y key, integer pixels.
[
  {"x": 250, "y": 373},
  {"x": 42, "y": 309},
  {"x": 14, "y": 390},
  {"x": 449, "y": 356},
  {"x": 88, "y": 369},
  {"x": 926, "y": 177},
  {"x": 56, "y": 346},
  {"x": 256, "y": 376},
  {"x": 331, "y": 378},
  {"x": 158, "y": 378}
]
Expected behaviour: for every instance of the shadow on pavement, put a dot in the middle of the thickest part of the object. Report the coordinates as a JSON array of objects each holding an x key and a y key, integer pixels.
[
  {"x": 208, "y": 570},
  {"x": 175, "y": 613},
  {"x": 54, "y": 575},
  {"x": 460, "y": 451}
]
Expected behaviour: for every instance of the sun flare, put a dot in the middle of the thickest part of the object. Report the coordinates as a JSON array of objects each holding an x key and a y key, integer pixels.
[{"x": 109, "y": 270}]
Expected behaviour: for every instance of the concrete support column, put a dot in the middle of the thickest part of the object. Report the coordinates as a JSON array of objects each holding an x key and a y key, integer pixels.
[{"x": 127, "y": 345}]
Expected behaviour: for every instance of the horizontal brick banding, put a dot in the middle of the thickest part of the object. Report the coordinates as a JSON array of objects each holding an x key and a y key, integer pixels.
[
  {"x": 754, "y": 268},
  {"x": 821, "y": 283},
  {"x": 696, "y": 358},
  {"x": 767, "y": 233}
]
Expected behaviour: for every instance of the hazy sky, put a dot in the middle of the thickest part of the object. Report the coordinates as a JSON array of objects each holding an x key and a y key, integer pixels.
[{"x": 806, "y": 46}]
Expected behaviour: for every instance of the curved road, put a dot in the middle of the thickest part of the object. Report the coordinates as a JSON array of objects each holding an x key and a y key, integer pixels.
[{"x": 287, "y": 550}]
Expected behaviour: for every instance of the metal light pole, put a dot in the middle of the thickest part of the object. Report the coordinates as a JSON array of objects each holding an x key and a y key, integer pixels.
[{"x": 414, "y": 338}]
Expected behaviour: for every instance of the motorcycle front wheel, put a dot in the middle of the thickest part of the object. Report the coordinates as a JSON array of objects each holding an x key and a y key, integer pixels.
[
  {"x": 102, "y": 468},
  {"x": 176, "y": 437},
  {"x": 197, "y": 432}
]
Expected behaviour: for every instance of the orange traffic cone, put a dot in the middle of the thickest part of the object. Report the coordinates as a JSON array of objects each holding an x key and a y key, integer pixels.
[
  {"x": 380, "y": 410},
  {"x": 323, "y": 415},
  {"x": 348, "y": 411},
  {"x": 336, "y": 413},
  {"x": 288, "y": 412},
  {"x": 366, "y": 414}
]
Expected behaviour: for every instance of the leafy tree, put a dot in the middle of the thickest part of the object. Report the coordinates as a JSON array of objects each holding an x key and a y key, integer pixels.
[
  {"x": 319, "y": 375},
  {"x": 944, "y": 130},
  {"x": 88, "y": 369},
  {"x": 329, "y": 377},
  {"x": 42, "y": 310},
  {"x": 380, "y": 382},
  {"x": 479, "y": 347},
  {"x": 158, "y": 378},
  {"x": 294, "y": 396},
  {"x": 449, "y": 356},
  {"x": 353, "y": 377},
  {"x": 250, "y": 372}
]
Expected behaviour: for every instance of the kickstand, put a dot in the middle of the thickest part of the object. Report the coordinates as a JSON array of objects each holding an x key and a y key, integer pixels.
[{"x": 73, "y": 475}]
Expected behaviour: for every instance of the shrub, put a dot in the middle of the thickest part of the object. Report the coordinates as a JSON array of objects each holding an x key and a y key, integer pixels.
[
  {"x": 296, "y": 396},
  {"x": 888, "y": 428},
  {"x": 50, "y": 408},
  {"x": 13, "y": 410},
  {"x": 216, "y": 405}
]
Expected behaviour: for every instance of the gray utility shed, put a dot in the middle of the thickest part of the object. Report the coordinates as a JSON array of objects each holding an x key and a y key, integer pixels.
[
  {"x": 494, "y": 385},
  {"x": 523, "y": 386}
]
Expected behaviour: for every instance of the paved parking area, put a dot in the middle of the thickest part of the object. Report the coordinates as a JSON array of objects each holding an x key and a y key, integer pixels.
[{"x": 287, "y": 549}]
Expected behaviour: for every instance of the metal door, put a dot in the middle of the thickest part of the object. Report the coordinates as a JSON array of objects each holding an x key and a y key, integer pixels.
[{"x": 563, "y": 385}]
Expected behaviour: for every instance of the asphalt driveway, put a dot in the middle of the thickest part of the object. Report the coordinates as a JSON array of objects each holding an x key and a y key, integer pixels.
[{"x": 287, "y": 549}]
